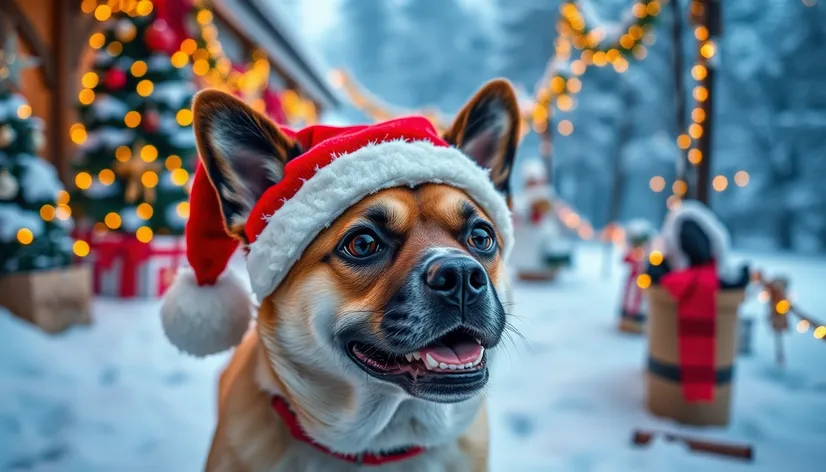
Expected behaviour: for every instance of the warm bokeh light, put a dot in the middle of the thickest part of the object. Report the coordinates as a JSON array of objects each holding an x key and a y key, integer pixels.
[
  {"x": 114, "y": 48},
  {"x": 83, "y": 180},
  {"x": 695, "y": 156},
  {"x": 573, "y": 85},
  {"x": 655, "y": 258},
  {"x": 144, "y": 234},
  {"x": 47, "y": 212},
  {"x": 173, "y": 162},
  {"x": 112, "y": 220},
  {"x": 184, "y": 117},
  {"x": 63, "y": 212},
  {"x": 132, "y": 119},
  {"x": 144, "y": 211},
  {"x": 701, "y": 33},
  {"x": 103, "y": 12},
  {"x": 149, "y": 179},
  {"x": 719, "y": 183},
  {"x": 179, "y": 59},
  {"x": 77, "y": 133},
  {"x": 802, "y": 326},
  {"x": 182, "y": 209},
  {"x": 145, "y": 88},
  {"x": 673, "y": 202},
  {"x": 144, "y": 7},
  {"x": 783, "y": 307},
  {"x": 683, "y": 141},
  {"x": 86, "y": 96},
  {"x": 695, "y": 131},
  {"x": 565, "y": 102},
  {"x": 708, "y": 50},
  {"x": 643, "y": 281},
  {"x": 657, "y": 184},
  {"x": 106, "y": 177},
  {"x": 149, "y": 153},
  {"x": 565, "y": 127},
  {"x": 123, "y": 153},
  {"x": 97, "y": 40},
  {"x": 80, "y": 248},
  {"x": 63, "y": 197},
  {"x": 89, "y": 80},
  {"x": 24, "y": 111},
  {"x": 680, "y": 188},
  {"x": 138, "y": 68},
  {"x": 741, "y": 178},
  {"x": 700, "y": 93},
  {"x": 25, "y": 236},
  {"x": 820, "y": 332},
  {"x": 698, "y": 115},
  {"x": 180, "y": 177},
  {"x": 699, "y": 72}
]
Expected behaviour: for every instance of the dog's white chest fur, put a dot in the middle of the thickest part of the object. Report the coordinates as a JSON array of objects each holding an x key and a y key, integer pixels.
[{"x": 303, "y": 457}]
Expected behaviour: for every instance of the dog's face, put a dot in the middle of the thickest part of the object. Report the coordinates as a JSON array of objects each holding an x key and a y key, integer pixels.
[{"x": 403, "y": 292}]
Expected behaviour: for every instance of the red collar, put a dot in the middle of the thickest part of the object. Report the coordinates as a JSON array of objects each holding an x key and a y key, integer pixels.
[{"x": 291, "y": 421}]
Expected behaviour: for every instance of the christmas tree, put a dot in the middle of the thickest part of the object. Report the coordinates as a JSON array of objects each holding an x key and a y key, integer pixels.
[
  {"x": 34, "y": 218},
  {"x": 137, "y": 149}
]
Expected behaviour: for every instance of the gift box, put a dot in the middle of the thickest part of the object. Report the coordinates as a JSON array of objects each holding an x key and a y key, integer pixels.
[
  {"x": 125, "y": 267},
  {"x": 53, "y": 299}
]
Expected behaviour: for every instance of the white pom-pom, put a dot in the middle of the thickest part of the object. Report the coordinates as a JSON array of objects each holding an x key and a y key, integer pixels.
[
  {"x": 204, "y": 320},
  {"x": 692, "y": 210}
]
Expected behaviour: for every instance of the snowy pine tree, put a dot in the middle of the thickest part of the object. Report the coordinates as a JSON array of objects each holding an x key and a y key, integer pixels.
[
  {"x": 137, "y": 147},
  {"x": 34, "y": 228}
]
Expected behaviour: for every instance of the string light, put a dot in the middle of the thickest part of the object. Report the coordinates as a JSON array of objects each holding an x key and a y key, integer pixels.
[
  {"x": 80, "y": 248},
  {"x": 565, "y": 127},
  {"x": 24, "y": 111},
  {"x": 144, "y": 7},
  {"x": 103, "y": 12},
  {"x": 149, "y": 153},
  {"x": 86, "y": 96},
  {"x": 106, "y": 177},
  {"x": 112, "y": 220},
  {"x": 123, "y": 153},
  {"x": 741, "y": 178},
  {"x": 47, "y": 212},
  {"x": 656, "y": 258},
  {"x": 643, "y": 281},
  {"x": 83, "y": 180},
  {"x": 695, "y": 156},
  {"x": 97, "y": 40},
  {"x": 680, "y": 188},
  {"x": 179, "y": 177},
  {"x": 144, "y": 234},
  {"x": 63, "y": 212},
  {"x": 25, "y": 236},
  {"x": 138, "y": 68},
  {"x": 657, "y": 184},
  {"x": 144, "y": 211},
  {"x": 63, "y": 197},
  {"x": 89, "y": 80},
  {"x": 132, "y": 119},
  {"x": 145, "y": 88},
  {"x": 114, "y": 48},
  {"x": 182, "y": 209},
  {"x": 719, "y": 183},
  {"x": 184, "y": 117},
  {"x": 173, "y": 162},
  {"x": 149, "y": 179},
  {"x": 77, "y": 133}
]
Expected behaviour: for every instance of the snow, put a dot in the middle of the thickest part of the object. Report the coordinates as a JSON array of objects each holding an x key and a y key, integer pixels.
[
  {"x": 39, "y": 181},
  {"x": 108, "y": 136},
  {"x": 173, "y": 93},
  {"x": 13, "y": 218},
  {"x": 107, "y": 107},
  {"x": 118, "y": 396}
]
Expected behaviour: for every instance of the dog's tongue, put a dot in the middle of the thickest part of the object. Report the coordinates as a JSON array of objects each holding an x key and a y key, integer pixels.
[{"x": 459, "y": 353}]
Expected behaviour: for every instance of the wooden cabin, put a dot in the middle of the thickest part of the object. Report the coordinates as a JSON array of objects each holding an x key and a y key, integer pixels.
[{"x": 57, "y": 33}]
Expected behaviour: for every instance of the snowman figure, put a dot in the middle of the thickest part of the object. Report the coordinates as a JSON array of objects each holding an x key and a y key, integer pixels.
[{"x": 541, "y": 247}]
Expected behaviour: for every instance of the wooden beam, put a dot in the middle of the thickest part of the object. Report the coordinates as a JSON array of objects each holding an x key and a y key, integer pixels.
[
  {"x": 711, "y": 18},
  {"x": 63, "y": 17}
]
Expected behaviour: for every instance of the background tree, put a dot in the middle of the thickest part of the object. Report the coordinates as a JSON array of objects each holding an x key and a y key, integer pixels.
[{"x": 137, "y": 147}]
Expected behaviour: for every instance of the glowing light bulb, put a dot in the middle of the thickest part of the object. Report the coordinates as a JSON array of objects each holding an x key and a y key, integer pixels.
[
  {"x": 112, "y": 220},
  {"x": 83, "y": 180},
  {"x": 25, "y": 236},
  {"x": 144, "y": 234},
  {"x": 80, "y": 248}
]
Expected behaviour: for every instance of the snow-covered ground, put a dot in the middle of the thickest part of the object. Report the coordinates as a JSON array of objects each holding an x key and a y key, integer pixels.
[{"x": 117, "y": 397}]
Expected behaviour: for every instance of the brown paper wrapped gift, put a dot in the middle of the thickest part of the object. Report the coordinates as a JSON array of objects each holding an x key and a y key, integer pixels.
[
  {"x": 51, "y": 299},
  {"x": 664, "y": 390}
]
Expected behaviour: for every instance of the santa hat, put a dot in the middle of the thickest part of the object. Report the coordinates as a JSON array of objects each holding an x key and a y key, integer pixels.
[{"x": 207, "y": 310}]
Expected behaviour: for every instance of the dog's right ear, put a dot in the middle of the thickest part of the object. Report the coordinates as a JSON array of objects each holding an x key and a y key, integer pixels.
[{"x": 243, "y": 153}]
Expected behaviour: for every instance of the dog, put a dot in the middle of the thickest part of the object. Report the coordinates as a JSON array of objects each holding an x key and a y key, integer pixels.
[{"x": 374, "y": 349}]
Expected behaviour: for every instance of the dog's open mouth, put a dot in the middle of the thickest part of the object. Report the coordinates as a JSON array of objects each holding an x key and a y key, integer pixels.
[{"x": 457, "y": 360}]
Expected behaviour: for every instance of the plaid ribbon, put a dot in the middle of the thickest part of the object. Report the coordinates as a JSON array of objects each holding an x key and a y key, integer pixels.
[{"x": 695, "y": 290}]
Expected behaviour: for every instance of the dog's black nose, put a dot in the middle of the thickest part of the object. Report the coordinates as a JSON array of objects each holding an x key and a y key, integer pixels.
[{"x": 458, "y": 280}]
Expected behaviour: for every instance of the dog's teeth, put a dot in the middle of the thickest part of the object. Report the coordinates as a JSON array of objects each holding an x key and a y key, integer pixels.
[
  {"x": 443, "y": 366},
  {"x": 417, "y": 356},
  {"x": 469, "y": 365},
  {"x": 479, "y": 359},
  {"x": 478, "y": 341},
  {"x": 431, "y": 362},
  {"x": 451, "y": 367},
  {"x": 409, "y": 357}
]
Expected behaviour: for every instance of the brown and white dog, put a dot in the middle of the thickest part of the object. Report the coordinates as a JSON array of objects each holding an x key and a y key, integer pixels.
[{"x": 374, "y": 348}]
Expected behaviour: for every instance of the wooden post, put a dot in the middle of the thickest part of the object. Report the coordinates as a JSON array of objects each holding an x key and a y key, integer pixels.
[{"x": 711, "y": 18}]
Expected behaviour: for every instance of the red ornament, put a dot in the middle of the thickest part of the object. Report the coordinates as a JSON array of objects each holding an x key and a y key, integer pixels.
[
  {"x": 115, "y": 79},
  {"x": 160, "y": 37},
  {"x": 151, "y": 121}
]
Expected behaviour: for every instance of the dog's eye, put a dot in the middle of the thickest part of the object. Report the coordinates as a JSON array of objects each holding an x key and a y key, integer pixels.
[
  {"x": 362, "y": 244},
  {"x": 481, "y": 238}
]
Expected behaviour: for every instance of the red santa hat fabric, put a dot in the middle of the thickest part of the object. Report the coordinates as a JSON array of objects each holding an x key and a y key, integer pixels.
[{"x": 207, "y": 311}]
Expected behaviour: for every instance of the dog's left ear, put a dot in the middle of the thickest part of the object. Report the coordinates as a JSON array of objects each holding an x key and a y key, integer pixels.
[{"x": 487, "y": 130}]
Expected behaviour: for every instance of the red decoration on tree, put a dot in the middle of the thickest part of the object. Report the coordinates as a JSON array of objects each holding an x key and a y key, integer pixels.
[
  {"x": 160, "y": 37},
  {"x": 115, "y": 79},
  {"x": 151, "y": 121}
]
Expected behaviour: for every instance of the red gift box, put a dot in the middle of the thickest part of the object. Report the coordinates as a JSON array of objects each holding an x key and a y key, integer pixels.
[{"x": 125, "y": 267}]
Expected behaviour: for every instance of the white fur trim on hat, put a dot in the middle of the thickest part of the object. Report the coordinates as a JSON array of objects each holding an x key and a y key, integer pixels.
[
  {"x": 206, "y": 319},
  {"x": 691, "y": 210},
  {"x": 351, "y": 177}
]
